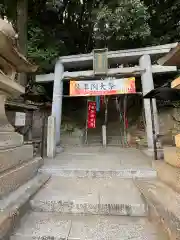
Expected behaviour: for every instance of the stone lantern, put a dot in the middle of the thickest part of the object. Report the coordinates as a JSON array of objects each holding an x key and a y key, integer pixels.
[
  {"x": 18, "y": 166},
  {"x": 11, "y": 63}
]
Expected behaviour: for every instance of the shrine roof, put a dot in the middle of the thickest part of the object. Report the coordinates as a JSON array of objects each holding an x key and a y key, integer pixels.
[
  {"x": 19, "y": 105},
  {"x": 117, "y": 57},
  {"x": 172, "y": 58}
]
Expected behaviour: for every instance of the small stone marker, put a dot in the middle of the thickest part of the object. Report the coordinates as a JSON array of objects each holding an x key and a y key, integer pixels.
[
  {"x": 20, "y": 119},
  {"x": 104, "y": 139},
  {"x": 51, "y": 137},
  {"x": 177, "y": 140}
]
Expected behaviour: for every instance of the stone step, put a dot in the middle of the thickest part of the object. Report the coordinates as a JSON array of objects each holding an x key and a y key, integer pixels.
[
  {"x": 122, "y": 172},
  {"x": 90, "y": 196},
  {"x": 11, "y": 179},
  {"x": 66, "y": 141},
  {"x": 110, "y": 150},
  {"x": 56, "y": 227},
  {"x": 99, "y": 162},
  {"x": 15, "y": 156},
  {"x": 98, "y": 166},
  {"x": 15, "y": 205},
  {"x": 164, "y": 202},
  {"x": 110, "y": 138},
  {"x": 10, "y": 140},
  {"x": 168, "y": 174}
]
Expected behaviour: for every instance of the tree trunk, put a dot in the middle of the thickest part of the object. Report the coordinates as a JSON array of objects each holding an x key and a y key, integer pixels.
[{"x": 22, "y": 15}]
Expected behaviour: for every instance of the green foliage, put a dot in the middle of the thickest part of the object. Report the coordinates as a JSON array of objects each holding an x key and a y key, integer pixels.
[
  {"x": 38, "y": 50},
  {"x": 62, "y": 27},
  {"x": 120, "y": 23},
  {"x": 7, "y": 8},
  {"x": 164, "y": 21}
]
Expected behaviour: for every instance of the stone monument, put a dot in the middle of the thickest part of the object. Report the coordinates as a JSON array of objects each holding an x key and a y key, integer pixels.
[{"x": 17, "y": 165}]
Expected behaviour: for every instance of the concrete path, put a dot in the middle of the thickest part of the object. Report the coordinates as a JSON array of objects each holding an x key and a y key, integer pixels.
[{"x": 96, "y": 206}]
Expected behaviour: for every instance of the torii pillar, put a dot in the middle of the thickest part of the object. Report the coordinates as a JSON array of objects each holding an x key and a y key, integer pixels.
[
  {"x": 57, "y": 98},
  {"x": 54, "y": 121},
  {"x": 147, "y": 86}
]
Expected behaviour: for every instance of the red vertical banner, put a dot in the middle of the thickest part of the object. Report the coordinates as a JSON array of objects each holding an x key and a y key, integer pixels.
[{"x": 91, "y": 119}]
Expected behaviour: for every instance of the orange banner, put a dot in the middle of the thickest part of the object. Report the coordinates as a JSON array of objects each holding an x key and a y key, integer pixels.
[{"x": 102, "y": 87}]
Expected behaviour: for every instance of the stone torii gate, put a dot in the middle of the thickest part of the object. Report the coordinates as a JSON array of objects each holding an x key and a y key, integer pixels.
[{"x": 141, "y": 56}]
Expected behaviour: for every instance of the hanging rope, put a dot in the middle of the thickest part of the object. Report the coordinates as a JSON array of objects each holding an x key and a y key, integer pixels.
[
  {"x": 118, "y": 108},
  {"x": 106, "y": 99},
  {"x": 98, "y": 103},
  {"x": 125, "y": 120}
]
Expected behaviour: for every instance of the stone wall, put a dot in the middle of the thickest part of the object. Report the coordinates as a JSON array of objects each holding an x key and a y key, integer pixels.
[
  {"x": 168, "y": 120},
  {"x": 38, "y": 123},
  {"x": 169, "y": 125},
  {"x": 38, "y": 116}
]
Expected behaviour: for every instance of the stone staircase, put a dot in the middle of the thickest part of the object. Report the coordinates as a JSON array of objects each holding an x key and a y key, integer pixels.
[
  {"x": 91, "y": 195},
  {"x": 163, "y": 197},
  {"x": 163, "y": 201},
  {"x": 19, "y": 180},
  {"x": 17, "y": 167},
  {"x": 114, "y": 134},
  {"x": 112, "y": 140},
  {"x": 19, "y": 177}
]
